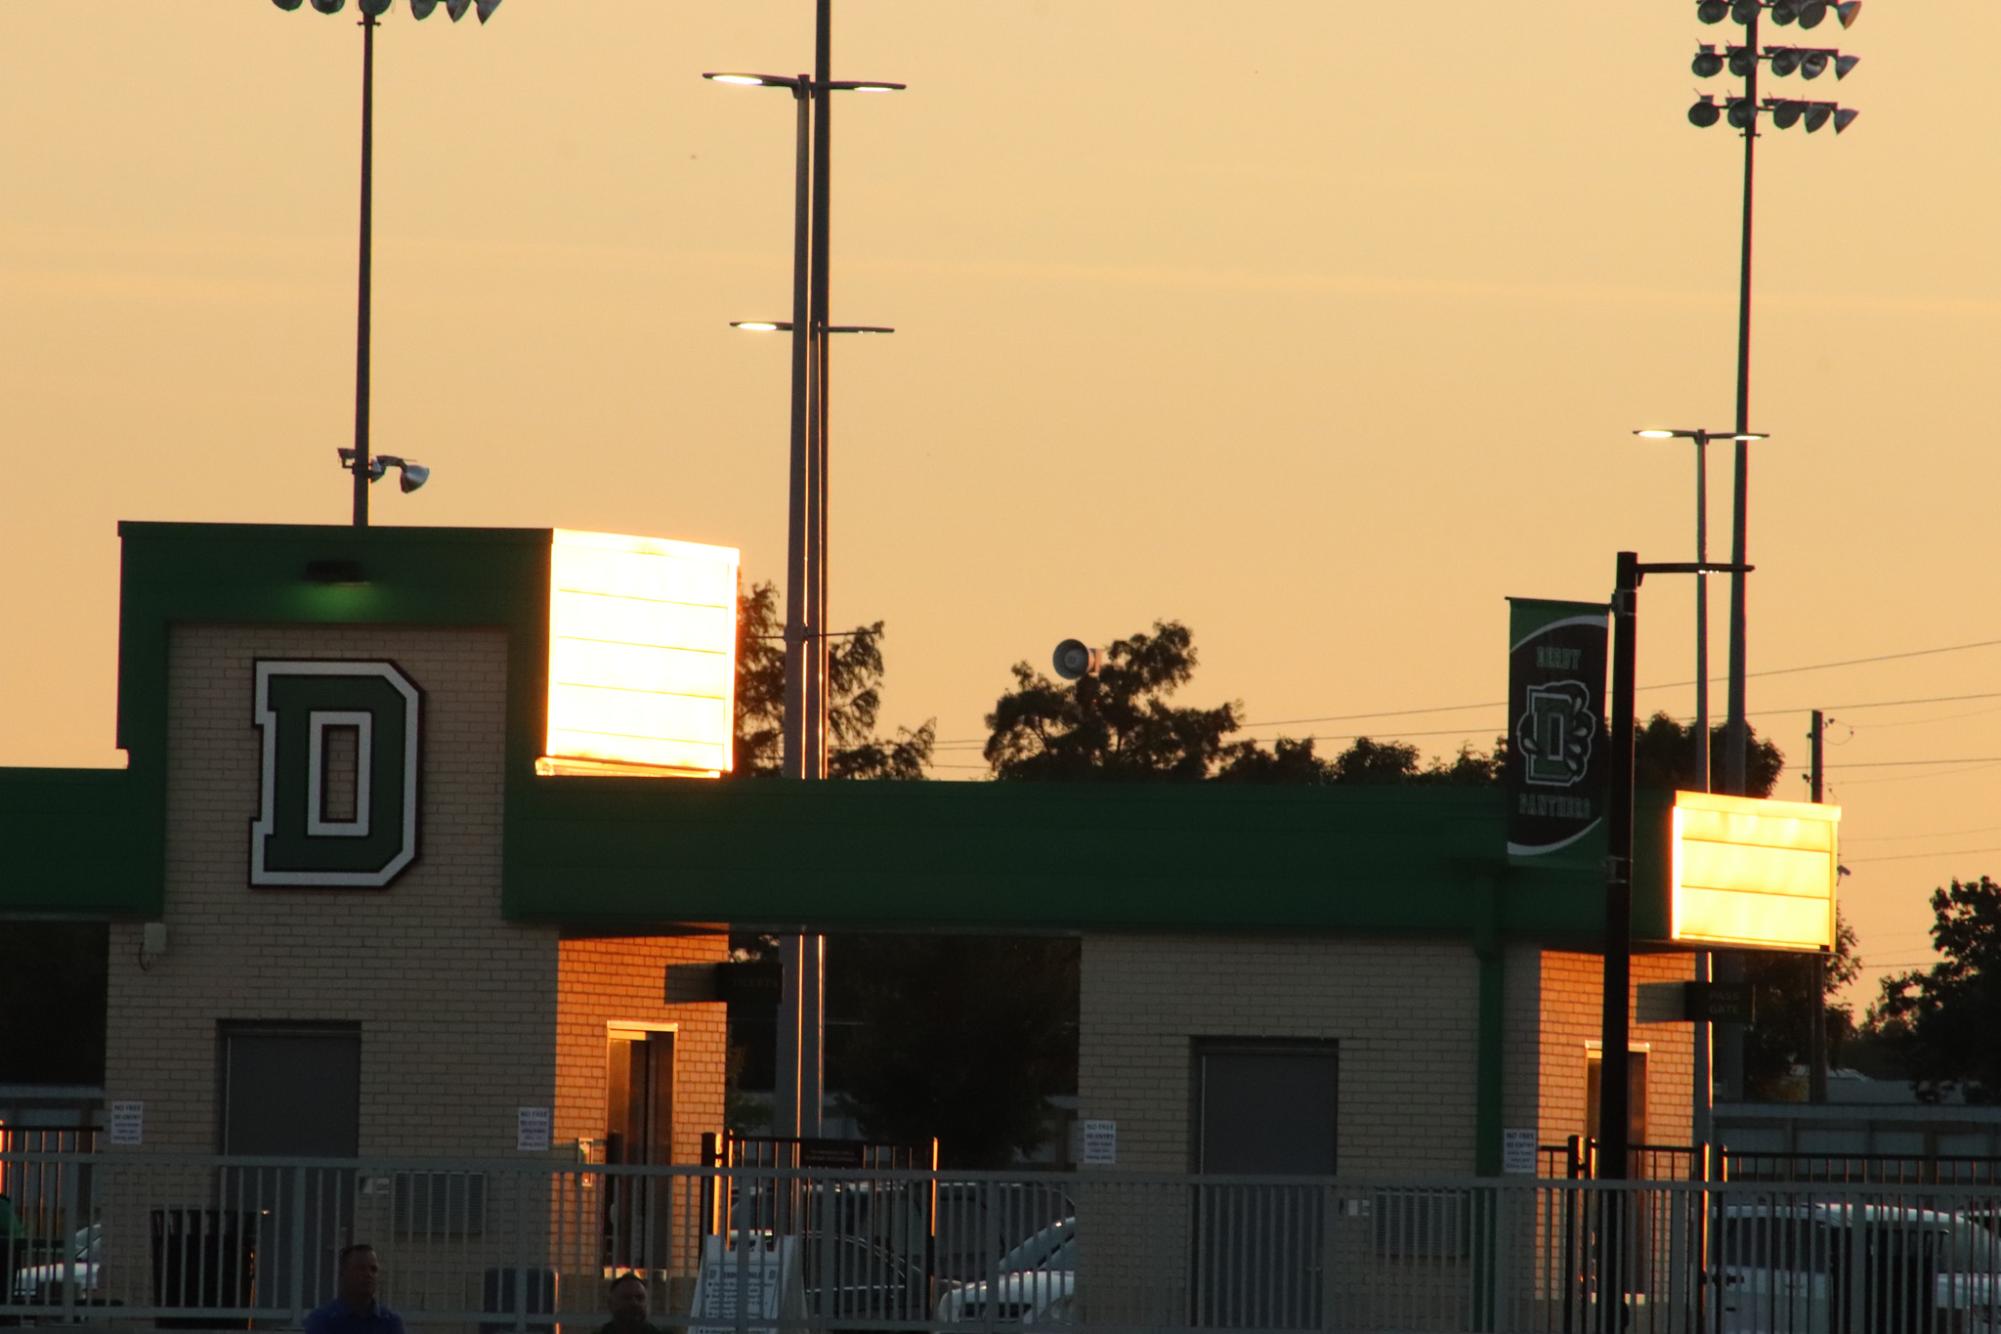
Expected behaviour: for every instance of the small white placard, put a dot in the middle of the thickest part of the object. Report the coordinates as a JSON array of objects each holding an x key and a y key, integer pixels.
[
  {"x": 531, "y": 1129},
  {"x": 1518, "y": 1152},
  {"x": 128, "y": 1124},
  {"x": 1101, "y": 1143}
]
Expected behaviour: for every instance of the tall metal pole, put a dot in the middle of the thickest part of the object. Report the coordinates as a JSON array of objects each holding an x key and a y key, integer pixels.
[
  {"x": 1614, "y": 1111},
  {"x": 1816, "y": 1040},
  {"x": 361, "y": 465},
  {"x": 796, "y": 585},
  {"x": 1736, "y": 755},
  {"x": 812, "y": 977},
  {"x": 1704, "y": 1089}
]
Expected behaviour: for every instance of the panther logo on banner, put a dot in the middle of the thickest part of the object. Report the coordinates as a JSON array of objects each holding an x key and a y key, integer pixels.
[
  {"x": 1555, "y": 775},
  {"x": 337, "y": 799},
  {"x": 1555, "y": 733}
]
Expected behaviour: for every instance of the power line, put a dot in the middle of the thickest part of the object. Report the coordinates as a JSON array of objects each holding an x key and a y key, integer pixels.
[
  {"x": 1662, "y": 685},
  {"x": 1920, "y": 856}
]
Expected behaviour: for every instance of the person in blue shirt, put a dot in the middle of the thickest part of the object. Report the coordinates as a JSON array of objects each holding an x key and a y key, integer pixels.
[{"x": 356, "y": 1311}]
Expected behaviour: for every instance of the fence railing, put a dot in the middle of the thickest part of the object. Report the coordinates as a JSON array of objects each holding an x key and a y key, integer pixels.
[{"x": 529, "y": 1244}]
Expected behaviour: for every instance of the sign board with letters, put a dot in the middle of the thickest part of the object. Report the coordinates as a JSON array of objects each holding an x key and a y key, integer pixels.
[
  {"x": 747, "y": 1286},
  {"x": 1753, "y": 872},
  {"x": 128, "y": 1124},
  {"x": 1101, "y": 1144}
]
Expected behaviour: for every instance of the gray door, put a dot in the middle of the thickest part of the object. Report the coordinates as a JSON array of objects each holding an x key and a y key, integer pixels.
[
  {"x": 293, "y": 1091},
  {"x": 1262, "y": 1109},
  {"x": 639, "y": 1132}
]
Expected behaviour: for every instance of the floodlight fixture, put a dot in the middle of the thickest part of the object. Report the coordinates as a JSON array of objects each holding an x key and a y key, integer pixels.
[
  {"x": 1843, "y": 64},
  {"x": 1785, "y": 59},
  {"x": 1743, "y": 11},
  {"x": 1742, "y": 61},
  {"x": 1713, "y": 11},
  {"x": 1785, "y": 12},
  {"x": 419, "y": 9},
  {"x": 1707, "y": 64},
  {"x": 1742, "y": 113},
  {"x": 1705, "y": 113},
  {"x": 1817, "y": 114},
  {"x": 1846, "y": 12},
  {"x": 1813, "y": 64},
  {"x": 412, "y": 474},
  {"x": 1786, "y": 114},
  {"x": 1844, "y": 117}
]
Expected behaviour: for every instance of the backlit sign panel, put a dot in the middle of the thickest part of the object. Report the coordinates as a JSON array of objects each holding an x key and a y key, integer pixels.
[
  {"x": 642, "y": 656},
  {"x": 1748, "y": 872}
]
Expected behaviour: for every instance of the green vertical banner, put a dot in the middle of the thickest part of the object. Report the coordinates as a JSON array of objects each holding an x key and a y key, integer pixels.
[{"x": 1557, "y": 758}]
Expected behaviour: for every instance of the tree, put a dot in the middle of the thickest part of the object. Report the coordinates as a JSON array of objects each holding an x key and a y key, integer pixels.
[
  {"x": 1118, "y": 725},
  {"x": 1943, "y": 1020},
  {"x": 963, "y": 1037},
  {"x": 855, "y": 672}
]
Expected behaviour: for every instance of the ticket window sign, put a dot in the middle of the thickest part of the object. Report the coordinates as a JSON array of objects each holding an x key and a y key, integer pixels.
[
  {"x": 642, "y": 656},
  {"x": 1753, "y": 873}
]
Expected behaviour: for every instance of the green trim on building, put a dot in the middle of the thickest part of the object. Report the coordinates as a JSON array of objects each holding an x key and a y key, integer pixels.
[{"x": 617, "y": 854}]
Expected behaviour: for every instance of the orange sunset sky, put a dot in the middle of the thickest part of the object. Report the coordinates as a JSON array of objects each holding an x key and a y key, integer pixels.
[{"x": 1320, "y": 327}]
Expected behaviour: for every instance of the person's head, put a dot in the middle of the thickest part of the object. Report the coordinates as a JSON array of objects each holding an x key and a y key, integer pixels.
[
  {"x": 628, "y": 1299},
  {"x": 358, "y": 1269}
]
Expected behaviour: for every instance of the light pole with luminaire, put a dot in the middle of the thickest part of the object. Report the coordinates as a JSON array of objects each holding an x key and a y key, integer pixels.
[
  {"x": 356, "y": 460},
  {"x": 1703, "y": 1085},
  {"x": 804, "y": 745},
  {"x": 802, "y": 956},
  {"x": 1742, "y": 113}
]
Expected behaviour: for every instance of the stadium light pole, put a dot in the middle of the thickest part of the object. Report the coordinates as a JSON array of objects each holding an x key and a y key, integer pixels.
[
  {"x": 802, "y": 956},
  {"x": 357, "y": 461},
  {"x": 1742, "y": 114},
  {"x": 1703, "y": 1085}
]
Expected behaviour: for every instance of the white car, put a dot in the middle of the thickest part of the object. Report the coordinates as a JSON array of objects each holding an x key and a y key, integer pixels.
[
  {"x": 1788, "y": 1269},
  {"x": 43, "y": 1284},
  {"x": 1036, "y": 1285}
]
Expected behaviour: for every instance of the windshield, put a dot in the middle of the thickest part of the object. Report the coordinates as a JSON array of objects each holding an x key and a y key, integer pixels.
[{"x": 1038, "y": 1251}]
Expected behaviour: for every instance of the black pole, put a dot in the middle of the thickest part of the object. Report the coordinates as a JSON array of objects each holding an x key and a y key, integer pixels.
[
  {"x": 362, "y": 316},
  {"x": 1614, "y": 1112},
  {"x": 1613, "y": 1103},
  {"x": 1816, "y": 978},
  {"x": 1737, "y": 752}
]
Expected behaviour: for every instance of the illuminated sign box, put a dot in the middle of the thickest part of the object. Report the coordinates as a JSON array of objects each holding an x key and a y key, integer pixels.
[
  {"x": 1753, "y": 873},
  {"x": 642, "y": 656}
]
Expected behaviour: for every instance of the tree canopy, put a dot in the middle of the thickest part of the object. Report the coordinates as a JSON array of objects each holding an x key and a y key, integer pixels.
[
  {"x": 1943, "y": 1020},
  {"x": 855, "y": 671}
]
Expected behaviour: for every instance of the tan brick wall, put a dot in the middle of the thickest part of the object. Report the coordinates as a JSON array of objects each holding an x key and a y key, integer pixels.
[
  {"x": 604, "y": 981},
  {"x": 1572, "y": 1018},
  {"x": 457, "y": 1007},
  {"x": 1404, "y": 1012}
]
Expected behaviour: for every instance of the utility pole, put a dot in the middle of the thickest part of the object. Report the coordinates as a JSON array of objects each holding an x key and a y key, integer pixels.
[{"x": 1816, "y": 988}]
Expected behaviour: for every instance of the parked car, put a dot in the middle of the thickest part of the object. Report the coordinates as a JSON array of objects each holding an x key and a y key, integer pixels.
[
  {"x": 1035, "y": 1285},
  {"x": 43, "y": 1284},
  {"x": 1789, "y": 1268}
]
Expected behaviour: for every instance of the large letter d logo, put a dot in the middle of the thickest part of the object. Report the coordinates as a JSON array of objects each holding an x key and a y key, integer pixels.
[{"x": 337, "y": 806}]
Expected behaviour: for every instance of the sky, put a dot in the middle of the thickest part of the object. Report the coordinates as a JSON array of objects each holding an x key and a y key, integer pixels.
[{"x": 1320, "y": 328}]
